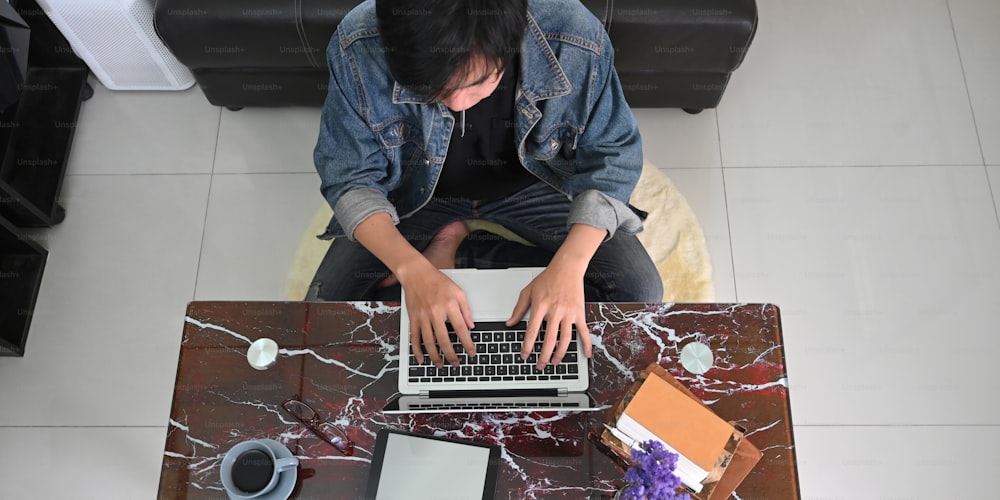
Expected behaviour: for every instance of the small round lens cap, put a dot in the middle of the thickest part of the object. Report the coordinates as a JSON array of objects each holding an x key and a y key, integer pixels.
[
  {"x": 697, "y": 358},
  {"x": 263, "y": 353}
]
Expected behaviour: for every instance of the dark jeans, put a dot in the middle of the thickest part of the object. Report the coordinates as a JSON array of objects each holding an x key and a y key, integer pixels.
[{"x": 620, "y": 271}]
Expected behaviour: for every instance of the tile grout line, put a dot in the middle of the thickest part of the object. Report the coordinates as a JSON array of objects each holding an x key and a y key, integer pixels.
[
  {"x": 989, "y": 185},
  {"x": 965, "y": 80},
  {"x": 725, "y": 199},
  {"x": 264, "y": 173},
  {"x": 972, "y": 110},
  {"x": 208, "y": 205},
  {"x": 911, "y": 165},
  {"x": 798, "y": 166},
  {"x": 165, "y": 174}
]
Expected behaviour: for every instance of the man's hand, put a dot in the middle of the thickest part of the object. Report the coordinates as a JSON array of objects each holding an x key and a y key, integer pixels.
[
  {"x": 555, "y": 297},
  {"x": 432, "y": 299}
]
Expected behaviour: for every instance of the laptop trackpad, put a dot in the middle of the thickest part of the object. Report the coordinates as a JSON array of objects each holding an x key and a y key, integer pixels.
[{"x": 492, "y": 293}]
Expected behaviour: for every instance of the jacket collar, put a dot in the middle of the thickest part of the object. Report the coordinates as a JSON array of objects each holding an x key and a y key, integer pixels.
[{"x": 541, "y": 75}]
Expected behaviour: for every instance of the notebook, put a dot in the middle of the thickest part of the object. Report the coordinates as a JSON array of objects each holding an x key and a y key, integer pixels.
[
  {"x": 739, "y": 457},
  {"x": 479, "y": 384},
  {"x": 660, "y": 412}
]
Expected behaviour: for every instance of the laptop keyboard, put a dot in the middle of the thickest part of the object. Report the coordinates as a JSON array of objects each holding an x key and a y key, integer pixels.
[
  {"x": 498, "y": 358},
  {"x": 485, "y": 405}
]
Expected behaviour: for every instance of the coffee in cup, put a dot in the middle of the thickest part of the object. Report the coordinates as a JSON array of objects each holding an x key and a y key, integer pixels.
[{"x": 250, "y": 469}]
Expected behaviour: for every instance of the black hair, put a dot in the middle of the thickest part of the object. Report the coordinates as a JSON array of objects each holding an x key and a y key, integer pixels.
[{"x": 430, "y": 43}]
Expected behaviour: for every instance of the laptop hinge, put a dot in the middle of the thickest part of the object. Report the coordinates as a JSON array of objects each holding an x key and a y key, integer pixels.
[
  {"x": 424, "y": 393},
  {"x": 563, "y": 391},
  {"x": 494, "y": 393}
]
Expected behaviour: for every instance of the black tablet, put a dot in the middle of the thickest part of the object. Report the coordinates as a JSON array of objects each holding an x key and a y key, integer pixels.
[{"x": 417, "y": 467}]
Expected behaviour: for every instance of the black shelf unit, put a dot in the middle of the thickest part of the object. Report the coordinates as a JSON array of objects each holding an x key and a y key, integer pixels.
[
  {"x": 36, "y": 132},
  {"x": 21, "y": 264},
  {"x": 36, "y": 135}
]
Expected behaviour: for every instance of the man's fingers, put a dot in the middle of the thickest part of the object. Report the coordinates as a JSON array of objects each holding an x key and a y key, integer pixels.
[
  {"x": 444, "y": 343},
  {"x": 549, "y": 343},
  {"x": 462, "y": 332},
  {"x": 531, "y": 332},
  {"x": 427, "y": 333},
  {"x": 415, "y": 342},
  {"x": 523, "y": 302},
  {"x": 565, "y": 336},
  {"x": 463, "y": 306}
]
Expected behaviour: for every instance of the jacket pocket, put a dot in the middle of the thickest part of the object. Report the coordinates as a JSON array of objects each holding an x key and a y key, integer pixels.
[
  {"x": 398, "y": 132},
  {"x": 401, "y": 141},
  {"x": 557, "y": 149}
]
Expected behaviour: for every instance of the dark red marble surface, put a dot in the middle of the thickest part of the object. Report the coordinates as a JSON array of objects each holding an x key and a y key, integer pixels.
[{"x": 342, "y": 359}]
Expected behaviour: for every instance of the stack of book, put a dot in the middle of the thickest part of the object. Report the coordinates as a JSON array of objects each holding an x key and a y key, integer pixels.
[{"x": 713, "y": 457}]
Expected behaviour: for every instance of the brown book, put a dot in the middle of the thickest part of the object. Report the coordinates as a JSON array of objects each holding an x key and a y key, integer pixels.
[
  {"x": 679, "y": 421},
  {"x": 741, "y": 455}
]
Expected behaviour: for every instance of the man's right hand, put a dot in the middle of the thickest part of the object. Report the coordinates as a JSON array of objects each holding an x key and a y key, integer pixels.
[{"x": 432, "y": 300}]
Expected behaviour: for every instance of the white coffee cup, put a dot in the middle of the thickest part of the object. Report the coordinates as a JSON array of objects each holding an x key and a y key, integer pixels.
[{"x": 258, "y": 468}]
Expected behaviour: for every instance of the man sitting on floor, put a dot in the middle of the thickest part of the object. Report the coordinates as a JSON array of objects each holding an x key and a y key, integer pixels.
[{"x": 506, "y": 111}]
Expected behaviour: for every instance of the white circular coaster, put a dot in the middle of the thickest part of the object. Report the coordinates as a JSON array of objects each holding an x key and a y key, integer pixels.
[
  {"x": 262, "y": 354},
  {"x": 697, "y": 358}
]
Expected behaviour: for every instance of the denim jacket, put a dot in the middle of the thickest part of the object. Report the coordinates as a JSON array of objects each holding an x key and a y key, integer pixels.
[{"x": 382, "y": 146}]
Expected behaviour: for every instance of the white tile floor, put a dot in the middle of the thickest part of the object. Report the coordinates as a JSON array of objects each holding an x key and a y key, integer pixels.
[{"x": 851, "y": 176}]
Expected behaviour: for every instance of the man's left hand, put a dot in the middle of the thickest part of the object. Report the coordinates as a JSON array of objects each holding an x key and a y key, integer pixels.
[{"x": 556, "y": 297}]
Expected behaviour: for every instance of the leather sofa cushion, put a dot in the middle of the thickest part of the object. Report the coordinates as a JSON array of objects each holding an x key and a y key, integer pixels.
[
  {"x": 680, "y": 35},
  {"x": 249, "y": 33},
  {"x": 649, "y": 35}
]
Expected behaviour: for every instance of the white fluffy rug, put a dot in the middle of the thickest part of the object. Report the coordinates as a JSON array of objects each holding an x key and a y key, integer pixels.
[{"x": 672, "y": 237}]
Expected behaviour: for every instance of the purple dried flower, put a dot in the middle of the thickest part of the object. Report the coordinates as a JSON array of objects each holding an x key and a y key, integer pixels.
[{"x": 652, "y": 476}]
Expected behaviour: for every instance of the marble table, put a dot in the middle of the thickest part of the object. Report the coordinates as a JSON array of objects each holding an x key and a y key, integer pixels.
[{"x": 342, "y": 359}]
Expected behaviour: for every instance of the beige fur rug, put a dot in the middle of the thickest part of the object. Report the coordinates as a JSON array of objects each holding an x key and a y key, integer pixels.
[{"x": 672, "y": 237}]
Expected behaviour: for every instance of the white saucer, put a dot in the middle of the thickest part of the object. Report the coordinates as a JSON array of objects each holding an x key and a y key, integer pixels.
[{"x": 286, "y": 478}]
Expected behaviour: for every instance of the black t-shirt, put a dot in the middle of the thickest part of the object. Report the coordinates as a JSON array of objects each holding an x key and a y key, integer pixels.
[{"x": 483, "y": 165}]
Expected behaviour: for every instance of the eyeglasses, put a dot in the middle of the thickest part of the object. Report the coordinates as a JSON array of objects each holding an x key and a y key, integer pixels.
[{"x": 326, "y": 431}]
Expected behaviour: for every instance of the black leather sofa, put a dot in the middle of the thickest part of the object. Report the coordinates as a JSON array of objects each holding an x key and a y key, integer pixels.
[{"x": 669, "y": 53}]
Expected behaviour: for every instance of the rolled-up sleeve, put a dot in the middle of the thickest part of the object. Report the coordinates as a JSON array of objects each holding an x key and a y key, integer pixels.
[
  {"x": 348, "y": 157},
  {"x": 609, "y": 155},
  {"x": 599, "y": 210},
  {"x": 357, "y": 205}
]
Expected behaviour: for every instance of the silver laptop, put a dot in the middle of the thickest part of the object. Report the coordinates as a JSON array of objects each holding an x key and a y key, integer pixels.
[{"x": 496, "y": 379}]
